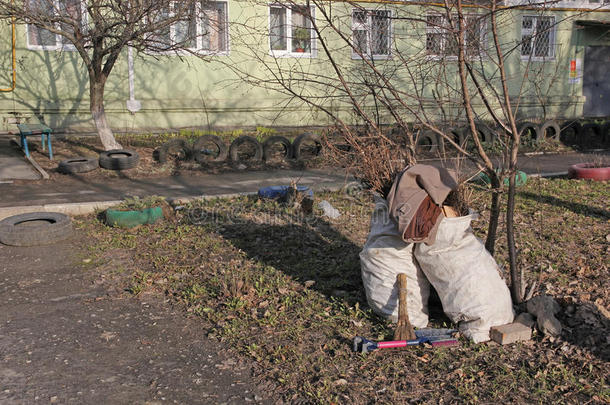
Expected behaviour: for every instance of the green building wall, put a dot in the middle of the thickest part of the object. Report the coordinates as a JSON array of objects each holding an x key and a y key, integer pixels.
[{"x": 184, "y": 92}]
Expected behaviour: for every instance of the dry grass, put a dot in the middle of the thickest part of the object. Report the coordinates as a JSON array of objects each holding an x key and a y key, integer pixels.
[{"x": 283, "y": 289}]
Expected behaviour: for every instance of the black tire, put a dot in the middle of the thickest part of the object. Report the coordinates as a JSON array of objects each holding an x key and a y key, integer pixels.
[
  {"x": 529, "y": 132},
  {"x": 546, "y": 126},
  {"x": 592, "y": 135},
  {"x": 462, "y": 136},
  {"x": 571, "y": 132},
  {"x": 244, "y": 139},
  {"x": 119, "y": 159},
  {"x": 606, "y": 134},
  {"x": 203, "y": 154},
  {"x": 178, "y": 148},
  {"x": 427, "y": 141},
  {"x": 56, "y": 227},
  {"x": 486, "y": 134},
  {"x": 271, "y": 141},
  {"x": 297, "y": 145},
  {"x": 78, "y": 165},
  {"x": 459, "y": 136}
]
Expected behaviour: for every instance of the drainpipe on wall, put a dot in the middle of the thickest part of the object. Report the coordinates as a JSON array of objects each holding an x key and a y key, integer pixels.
[{"x": 133, "y": 105}]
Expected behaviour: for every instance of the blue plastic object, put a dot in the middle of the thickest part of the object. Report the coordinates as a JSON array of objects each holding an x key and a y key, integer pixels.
[{"x": 275, "y": 192}]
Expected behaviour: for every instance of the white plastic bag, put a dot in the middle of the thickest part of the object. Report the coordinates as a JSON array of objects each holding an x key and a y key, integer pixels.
[
  {"x": 329, "y": 210},
  {"x": 385, "y": 255},
  {"x": 466, "y": 278}
]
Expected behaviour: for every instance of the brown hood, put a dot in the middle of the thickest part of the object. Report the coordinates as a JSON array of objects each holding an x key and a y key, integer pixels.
[{"x": 411, "y": 187}]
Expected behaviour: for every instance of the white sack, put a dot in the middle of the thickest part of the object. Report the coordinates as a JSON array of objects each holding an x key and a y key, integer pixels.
[
  {"x": 466, "y": 278},
  {"x": 385, "y": 255}
]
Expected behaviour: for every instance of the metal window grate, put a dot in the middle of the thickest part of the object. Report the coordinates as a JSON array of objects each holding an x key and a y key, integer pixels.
[
  {"x": 371, "y": 31},
  {"x": 441, "y": 39},
  {"x": 537, "y": 37}
]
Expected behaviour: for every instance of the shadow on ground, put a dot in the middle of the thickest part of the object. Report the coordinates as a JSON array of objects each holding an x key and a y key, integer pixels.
[{"x": 575, "y": 207}]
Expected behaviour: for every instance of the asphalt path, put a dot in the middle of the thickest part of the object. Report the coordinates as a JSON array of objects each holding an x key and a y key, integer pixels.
[{"x": 75, "y": 189}]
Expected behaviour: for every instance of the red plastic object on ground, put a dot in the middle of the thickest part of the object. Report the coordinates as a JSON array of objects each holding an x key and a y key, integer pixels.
[{"x": 589, "y": 171}]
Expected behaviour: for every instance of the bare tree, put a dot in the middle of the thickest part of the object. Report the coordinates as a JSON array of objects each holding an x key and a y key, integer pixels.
[
  {"x": 437, "y": 72},
  {"x": 99, "y": 30}
]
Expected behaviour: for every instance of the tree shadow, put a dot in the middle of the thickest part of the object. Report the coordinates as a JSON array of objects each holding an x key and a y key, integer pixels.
[
  {"x": 41, "y": 89},
  {"x": 575, "y": 207},
  {"x": 313, "y": 252},
  {"x": 587, "y": 327}
]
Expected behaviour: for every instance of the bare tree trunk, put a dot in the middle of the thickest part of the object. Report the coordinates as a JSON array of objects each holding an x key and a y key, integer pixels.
[
  {"x": 494, "y": 215},
  {"x": 515, "y": 274},
  {"x": 99, "y": 115}
]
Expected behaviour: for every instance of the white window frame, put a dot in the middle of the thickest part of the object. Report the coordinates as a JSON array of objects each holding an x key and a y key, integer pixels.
[
  {"x": 288, "y": 53},
  {"x": 533, "y": 34},
  {"x": 61, "y": 43},
  {"x": 430, "y": 29},
  {"x": 199, "y": 34},
  {"x": 368, "y": 27}
]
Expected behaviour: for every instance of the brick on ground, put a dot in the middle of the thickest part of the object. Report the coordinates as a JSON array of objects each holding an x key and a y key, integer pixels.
[{"x": 510, "y": 333}]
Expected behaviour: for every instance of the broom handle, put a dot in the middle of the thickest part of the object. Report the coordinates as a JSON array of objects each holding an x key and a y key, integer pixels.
[{"x": 402, "y": 296}]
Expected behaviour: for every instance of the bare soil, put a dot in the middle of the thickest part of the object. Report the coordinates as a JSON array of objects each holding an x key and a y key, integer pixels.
[{"x": 70, "y": 334}]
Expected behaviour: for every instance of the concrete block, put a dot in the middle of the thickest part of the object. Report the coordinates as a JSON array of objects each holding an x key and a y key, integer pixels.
[{"x": 510, "y": 333}]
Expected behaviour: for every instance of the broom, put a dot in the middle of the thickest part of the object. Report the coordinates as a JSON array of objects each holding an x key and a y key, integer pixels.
[{"x": 404, "y": 329}]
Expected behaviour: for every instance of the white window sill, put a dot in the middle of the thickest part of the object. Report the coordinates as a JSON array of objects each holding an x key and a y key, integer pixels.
[
  {"x": 69, "y": 48},
  {"x": 537, "y": 59},
  {"x": 287, "y": 54},
  {"x": 187, "y": 53},
  {"x": 371, "y": 57},
  {"x": 453, "y": 58}
]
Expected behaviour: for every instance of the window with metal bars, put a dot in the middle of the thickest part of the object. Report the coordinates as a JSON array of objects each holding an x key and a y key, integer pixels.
[
  {"x": 371, "y": 33},
  {"x": 537, "y": 37},
  {"x": 441, "y": 39}
]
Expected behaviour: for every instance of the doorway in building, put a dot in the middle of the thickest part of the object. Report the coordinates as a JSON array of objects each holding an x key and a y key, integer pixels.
[{"x": 596, "y": 81}]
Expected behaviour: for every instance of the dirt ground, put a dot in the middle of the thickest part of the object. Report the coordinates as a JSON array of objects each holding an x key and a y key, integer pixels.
[{"x": 68, "y": 336}]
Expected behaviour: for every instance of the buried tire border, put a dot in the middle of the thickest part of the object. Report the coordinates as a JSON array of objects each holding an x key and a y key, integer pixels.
[
  {"x": 174, "y": 147},
  {"x": 200, "y": 157},
  {"x": 272, "y": 140},
  {"x": 234, "y": 149},
  {"x": 298, "y": 142},
  {"x": 546, "y": 125}
]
